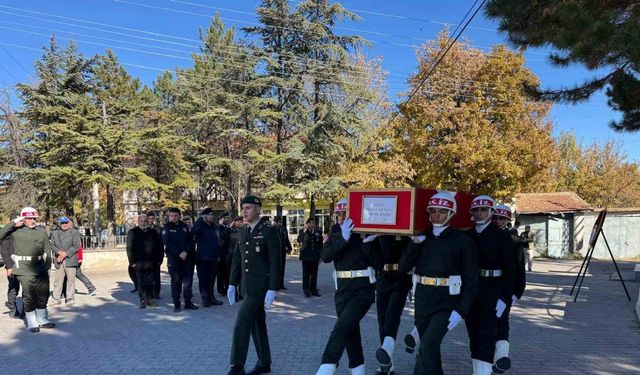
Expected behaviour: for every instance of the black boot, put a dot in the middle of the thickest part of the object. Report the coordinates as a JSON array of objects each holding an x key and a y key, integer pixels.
[
  {"x": 260, "y": 370},
  {"x": 188, "y": 305},
  {"x": 307, "y": 293},
  {"x": 216, "y": 302},
  {"x": 176, "y": 308},
  {"x": 143, "y": 304},
  {"x": 236, "y": 370},
  {"x": 315, "y": 293},
  {"x": 206, "y": 302}
]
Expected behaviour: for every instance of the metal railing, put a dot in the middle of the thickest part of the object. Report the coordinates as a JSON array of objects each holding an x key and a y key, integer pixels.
[{"x": 102, "y": 242}]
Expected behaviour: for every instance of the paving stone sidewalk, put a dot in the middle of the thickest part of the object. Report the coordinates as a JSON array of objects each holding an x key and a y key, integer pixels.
[{"x": 108, "y": 334}]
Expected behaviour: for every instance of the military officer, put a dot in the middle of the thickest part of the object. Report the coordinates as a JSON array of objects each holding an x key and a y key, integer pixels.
[
  {"x": 355, "y": 283},
  {"x": 446, "y": 280},
  {"x": 13, "y": 285},
  {"x": 392, "y": 288},
  {"x": 32, "y": 260},
  {"x": 502, "y": 362},
  {"x": 256, "y": 266},
  {"x": 495, "y": 262},
  {"x": 310, "y": 240},
  {"x": 178, "y": 245}
]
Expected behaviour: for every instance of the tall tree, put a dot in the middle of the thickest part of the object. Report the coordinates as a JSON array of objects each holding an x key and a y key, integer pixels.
[
  {"x": 471, "y": 127},
  {"x": 600, "y": 35}
]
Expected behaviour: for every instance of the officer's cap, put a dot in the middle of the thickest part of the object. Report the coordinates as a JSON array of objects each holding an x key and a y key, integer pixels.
[{"x": 251, "y": 199}]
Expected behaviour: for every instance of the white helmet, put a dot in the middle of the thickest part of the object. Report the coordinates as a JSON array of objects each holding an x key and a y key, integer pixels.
[
  {"x": 483, "y": 201},
  {"x": 504, "y": 211},
  {"x": 341, "y": 206},
  {"x": 444, "y": 200},
  {"x": 29, "y": 213}
]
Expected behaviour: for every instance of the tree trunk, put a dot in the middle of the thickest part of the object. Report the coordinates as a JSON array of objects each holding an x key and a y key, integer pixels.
[
  {"x": 111, "y": 214},
  {"x": 312, "y": 208},
  {"x": 95, "y": 198}
]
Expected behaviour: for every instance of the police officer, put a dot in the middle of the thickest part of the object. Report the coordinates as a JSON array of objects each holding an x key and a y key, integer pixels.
[
  {"x": 256, "y": 266},
  {"x": 392, "y": 288},
  {"x": 495, "y": 262},
  {"x": 32, "y": 260},
  {"x": 13, "y": 285},
  {"x": 178, "y": 245},
  {"x": 502, "y": 362},
  {"x": 355, "y": 283},
  {"x": 157, "y": 283},
  {"x": 310, "y": 240},
  {"x": 445, "y": 277}
]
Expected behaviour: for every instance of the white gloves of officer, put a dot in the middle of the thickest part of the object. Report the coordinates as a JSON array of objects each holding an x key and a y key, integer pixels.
[
  {"x": 418, "y": 239},
  {"x": 231, "y": 294},
  {"x": 17, "y": 220},
  {"x": 370, "y": 238},
  {"x": 500, "y": 306},
  {"x": 513, "y": 300},
  {"x": 347, "y": 227},
  {"x": 269, "y": 298},
  {"x": 454, "y": 320}
]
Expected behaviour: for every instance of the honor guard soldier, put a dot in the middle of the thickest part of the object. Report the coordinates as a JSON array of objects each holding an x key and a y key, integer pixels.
[
  {"x": 445, "y": 278},
  {"x": 310, "y": 240},
  {"x": 392, "y": 288},
  {"x": 32, "y": 260},
  {"x": 256, "y": 266},
  {"x": 500, "y": 218},
  {"x": 178, "y": 245},
  {"x": 354, "y": 279},
  {"x": 496, "y": 266}
]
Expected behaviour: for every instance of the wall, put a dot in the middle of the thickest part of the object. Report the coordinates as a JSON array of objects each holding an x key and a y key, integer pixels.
[{"x": 622, "y": 229}]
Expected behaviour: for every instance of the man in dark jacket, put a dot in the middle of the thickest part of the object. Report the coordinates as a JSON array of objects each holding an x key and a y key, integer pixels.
[
  {"x": 208, "y": 250},
  {"x": 151, "y": 218},
  {"x": 144, "y": 249},
  {"x": 6, "y": 250},
  {"x": 178, "y": 245},
  {"x": 310, "y": 240},
  {"x": 222, "y": 276},
  {"x": 285, "y": 247}
]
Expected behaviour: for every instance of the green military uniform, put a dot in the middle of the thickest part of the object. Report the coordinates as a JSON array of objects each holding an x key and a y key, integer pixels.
[
  {"x": 256, "y": 267},
  {"x": 32, "y": 258}
]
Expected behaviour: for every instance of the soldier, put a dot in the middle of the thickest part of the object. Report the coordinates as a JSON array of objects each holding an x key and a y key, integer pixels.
[
  {"x": 310, "y": 240},
  {"x": 285, "y": 247},
  {"x": 236, "y": 225},
  {"x": 392, "y": 288},
  {"x": 65, "y": 246},
  {"x": 208, "y": 250},
  {"x": 256, "y": 266},
  {"x": 32, "y": 260},
  {"x": 178, "y": 245},
  {"x": 144, "y": 249},
  {"x": 495, "y": 262},
  {"x": 501, "y": 359},
  {"x": 157, "y": 284},
  {"x": 446, "y": 280},
  {"x": 13, "y": 285},
  {"x": 354, "y": 279}
]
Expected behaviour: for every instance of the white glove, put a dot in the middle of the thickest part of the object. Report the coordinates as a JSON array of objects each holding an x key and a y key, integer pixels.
[
  {"x": 17, "y": 220},
  {"x": 418, "y": 239},
  {"x": 347, "y": 227},
  {"x": 513, "y": 300},
  {"x": 454, "y": 320},
  {"x": 269, "y": 298},
  {"x": 500, "y": 306},
  {"x": 231, "y": 294},
  {"x": 370, "y": 238}
]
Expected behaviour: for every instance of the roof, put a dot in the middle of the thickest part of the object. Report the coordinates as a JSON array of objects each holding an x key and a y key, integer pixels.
[{"x": 567, "y": 201}]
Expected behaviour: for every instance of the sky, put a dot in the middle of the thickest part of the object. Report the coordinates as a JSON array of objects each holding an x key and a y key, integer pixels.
[{"x": 149, "y": 36}]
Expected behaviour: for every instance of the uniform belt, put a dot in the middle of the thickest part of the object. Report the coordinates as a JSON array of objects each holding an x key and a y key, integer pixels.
[
  {"x": 433, "y": 281},
  {"x": 352, "y": 274},
  {"x": 26, "y": 258},
  {"x": 490, "y": 273},
  {"x": 390, "y": 267}
]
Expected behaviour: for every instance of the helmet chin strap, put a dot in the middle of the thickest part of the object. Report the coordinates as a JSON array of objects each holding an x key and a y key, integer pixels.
[{"x": 439, "y": 228}]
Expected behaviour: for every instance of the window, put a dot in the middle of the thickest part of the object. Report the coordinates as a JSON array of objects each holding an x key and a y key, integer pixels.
[{"x": 295, "y": 221}]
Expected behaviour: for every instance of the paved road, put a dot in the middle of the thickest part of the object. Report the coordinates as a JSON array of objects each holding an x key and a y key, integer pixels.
[{"x": 108, "y": 334}]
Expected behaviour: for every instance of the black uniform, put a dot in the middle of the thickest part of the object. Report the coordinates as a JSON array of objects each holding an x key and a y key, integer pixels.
[
  {"x": 222, "y": 275},
  {"x": 256, "y": 267},
  {"x": 392, "y": 286},
  {"x": 310, "y": 248},
  {"x": 353, "y": 298},
  {"x": 157, "y": 283},
  {"x": 178, "y": 238},
  {"x": 144, "y": 250},
  {"x": 449, "y": 254},
  {"x": 6, "y": 250},
  {"x": 285, "y": 248},
  {"x": 495, "y": 252},
  {"x": 32, "y": 245}
]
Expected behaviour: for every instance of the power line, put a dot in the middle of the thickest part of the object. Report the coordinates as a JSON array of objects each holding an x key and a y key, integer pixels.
[
  {"x": 16, "y": 60},
  {"x": 10, "y": 74}
]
